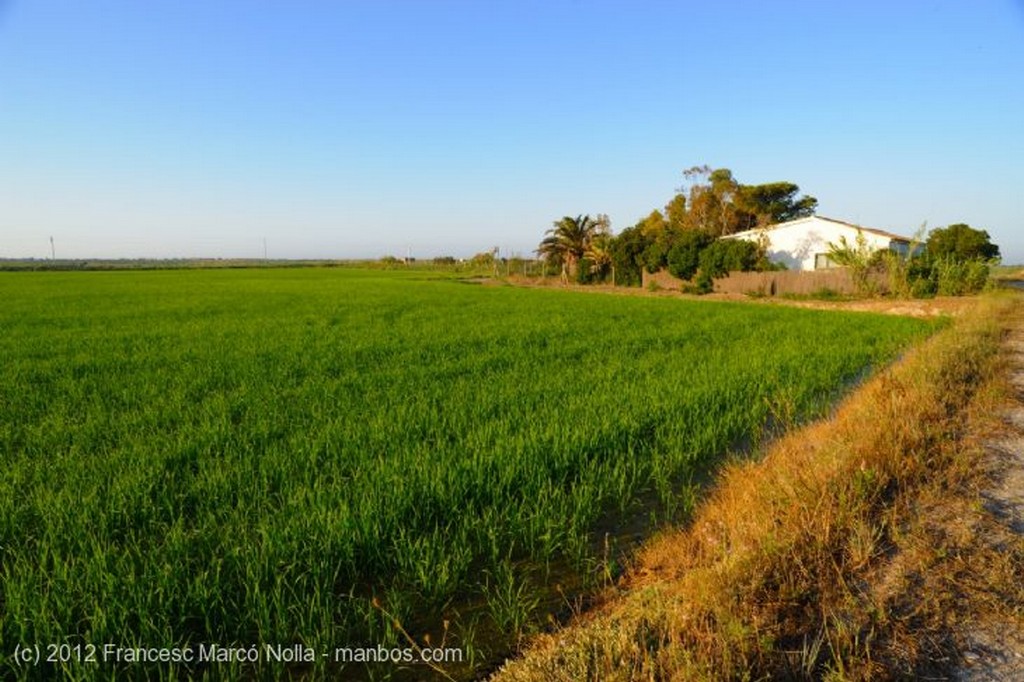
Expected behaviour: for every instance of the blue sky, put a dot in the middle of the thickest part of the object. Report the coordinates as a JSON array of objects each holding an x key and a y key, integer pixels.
[{"x": 358, "y": 129}]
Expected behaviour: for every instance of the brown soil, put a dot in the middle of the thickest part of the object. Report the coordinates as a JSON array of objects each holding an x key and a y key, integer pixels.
[{"x": 931, "y": 307}]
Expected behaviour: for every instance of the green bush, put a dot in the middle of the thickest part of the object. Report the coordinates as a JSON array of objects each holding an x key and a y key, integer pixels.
[
  {"x": 627, "y": 252},
  {"x": 684, "y": 256},
  {"x": 729, "y": 255},
  {"x": 584, "y": 274},
  {"x": 923, "y": 287},
  {"x": 705, "y": 284},
  {"x": 655, "y": 257},
  {"x": 957, "y": 278}
]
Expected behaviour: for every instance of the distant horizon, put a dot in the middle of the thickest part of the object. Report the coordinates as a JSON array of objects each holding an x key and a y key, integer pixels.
[
  {"x": 257, "y": 260},
  {"x": 458, "y": 254},
  {"x": 364, "y": 129},
  {"x": 247, "y": 259}
]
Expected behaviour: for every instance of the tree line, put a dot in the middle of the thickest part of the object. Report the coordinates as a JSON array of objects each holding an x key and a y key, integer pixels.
[{"x": 683, "y": 238}]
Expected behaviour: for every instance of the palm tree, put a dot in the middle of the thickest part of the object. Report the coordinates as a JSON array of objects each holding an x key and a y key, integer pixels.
[
  {"x": 567, "y": 242},
  {"x": 599, "y": 253}
]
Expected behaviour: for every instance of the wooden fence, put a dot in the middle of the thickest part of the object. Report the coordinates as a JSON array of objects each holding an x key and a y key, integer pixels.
[{"x": 836, "y": 280}]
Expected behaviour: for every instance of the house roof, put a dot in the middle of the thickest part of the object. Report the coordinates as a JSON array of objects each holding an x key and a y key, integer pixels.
[{"x": 881, "y": 233}]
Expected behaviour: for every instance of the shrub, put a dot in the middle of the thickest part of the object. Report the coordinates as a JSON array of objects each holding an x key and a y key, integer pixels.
[
  {"x": 584, "y": 271},
  {"x": 705, "y": 284},
  {"x": 728, "y": 255},
  {"x": 957, "y": 278},
  {"x": 655, "y": 257},
  {"x": 923, "y": 287},
  {"x": 684, "y": 256},
  {"x": 627, "y": 253},
  {"x": 860, "y": 258}
]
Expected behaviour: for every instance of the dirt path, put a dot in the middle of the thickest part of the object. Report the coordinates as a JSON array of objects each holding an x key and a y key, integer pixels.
[
  {"x": 918, "y": 307},
  {"x": 995, "y": 651}
]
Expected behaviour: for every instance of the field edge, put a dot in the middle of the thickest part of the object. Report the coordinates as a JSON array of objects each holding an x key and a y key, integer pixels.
[{"x": 843, "y": 554}]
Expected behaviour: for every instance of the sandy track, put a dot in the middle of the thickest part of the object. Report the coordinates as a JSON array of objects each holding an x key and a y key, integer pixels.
[{"x": 995, "y": 651}]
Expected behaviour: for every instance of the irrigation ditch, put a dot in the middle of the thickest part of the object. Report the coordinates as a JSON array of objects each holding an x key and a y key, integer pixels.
[{"x": 855, "y": 551}]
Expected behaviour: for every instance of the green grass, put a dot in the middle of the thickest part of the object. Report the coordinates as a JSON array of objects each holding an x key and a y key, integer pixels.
[
  {"x": 253, "y": 456},
  {"x": 823, "y": 294}
]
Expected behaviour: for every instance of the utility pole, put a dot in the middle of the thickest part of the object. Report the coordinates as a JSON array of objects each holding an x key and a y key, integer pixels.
[{"x": 53, "y": 251}]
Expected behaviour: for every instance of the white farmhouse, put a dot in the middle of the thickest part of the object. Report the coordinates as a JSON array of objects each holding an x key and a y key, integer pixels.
[{"x": 803, "y": 244}]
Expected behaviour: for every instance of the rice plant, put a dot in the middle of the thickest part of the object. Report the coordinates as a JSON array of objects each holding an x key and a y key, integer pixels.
[{"x": 256, "y": 456}]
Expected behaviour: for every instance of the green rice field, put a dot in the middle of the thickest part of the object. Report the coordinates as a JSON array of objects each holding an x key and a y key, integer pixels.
[{"x": 306, "y": 456}]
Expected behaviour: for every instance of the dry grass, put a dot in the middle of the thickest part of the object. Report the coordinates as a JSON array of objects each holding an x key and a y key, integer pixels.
[
  {"x": 953, "y": 306},
  {"x": 849, "y": 552}
]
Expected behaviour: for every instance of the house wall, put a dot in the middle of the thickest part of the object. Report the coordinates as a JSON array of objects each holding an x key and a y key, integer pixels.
[{"x": 797, "y": 244}]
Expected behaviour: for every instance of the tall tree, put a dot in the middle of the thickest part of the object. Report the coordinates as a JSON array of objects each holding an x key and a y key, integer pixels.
[
  {"x": 774, "y": 202},
  {"x": 719, "y": 205},
  {"x": 960, "y": 242},
  {"x": 675, "y": 211},
  {"x": 712, "y": 200},
  {"x": 711, "y": 203},
  {"x": 654, "y": 225}
]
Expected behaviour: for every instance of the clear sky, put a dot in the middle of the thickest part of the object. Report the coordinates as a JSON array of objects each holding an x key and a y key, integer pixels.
[{"x": 342, "y": 129}]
